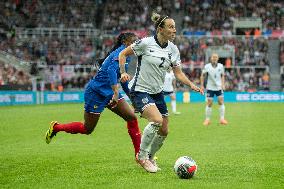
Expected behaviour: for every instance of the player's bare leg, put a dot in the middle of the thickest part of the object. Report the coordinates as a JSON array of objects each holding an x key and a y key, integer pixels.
[
  {"x": 91, "y": 121},
  {"x": 223, "y": 121}
]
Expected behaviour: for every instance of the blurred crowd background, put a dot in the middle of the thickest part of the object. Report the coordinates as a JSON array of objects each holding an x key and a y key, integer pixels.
[{"x": 67, "y": 60}]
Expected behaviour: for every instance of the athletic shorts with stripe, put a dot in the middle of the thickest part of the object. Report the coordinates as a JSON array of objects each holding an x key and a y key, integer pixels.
[
  {"x": 142, "y": 100},
  {"x": 211, "y": 94}
]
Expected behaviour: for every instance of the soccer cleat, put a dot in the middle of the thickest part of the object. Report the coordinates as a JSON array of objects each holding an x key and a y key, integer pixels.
[
  {"x": 50, "y": 133},
  {"x": 206, "y": 122},
  {"x": 148, "y": 166},
  {"x": 154, "y": 162},
  {"x": 223, "y": 122}
]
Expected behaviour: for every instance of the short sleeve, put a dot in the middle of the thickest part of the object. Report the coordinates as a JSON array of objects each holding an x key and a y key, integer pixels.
[
  {"x": 139, "y": 46},
  {"x": 205, "y": 70},
  {"x": 176, "y": 55}
]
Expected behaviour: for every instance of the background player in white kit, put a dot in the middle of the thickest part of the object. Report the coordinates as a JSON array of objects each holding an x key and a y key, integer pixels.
[
  {"x": 155, "y": 55},
  {"x": 215, "y": 86},
  {"x": 170, "y": 88}
]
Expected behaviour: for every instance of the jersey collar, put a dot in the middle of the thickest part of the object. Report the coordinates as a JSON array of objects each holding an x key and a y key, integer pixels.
[
  {"x": 213, "y": 65},
  {"x": 157, "y": 41}
]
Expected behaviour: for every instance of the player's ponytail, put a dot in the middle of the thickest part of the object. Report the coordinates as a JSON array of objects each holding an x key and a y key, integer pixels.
[
  {"x": 120, "y": 40},
  {"x": 158, "y": 20}
]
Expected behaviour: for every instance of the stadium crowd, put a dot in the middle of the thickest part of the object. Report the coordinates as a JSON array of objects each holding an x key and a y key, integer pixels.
[
  {"x": 210, "y": 15},
  {"x": 84, "y": 50},
  {"x": 248, "y": 51},
  {"x": 49, "y": 13},
  {"x": 199, "y": 16},
  {"x": 10, "y": 75}
]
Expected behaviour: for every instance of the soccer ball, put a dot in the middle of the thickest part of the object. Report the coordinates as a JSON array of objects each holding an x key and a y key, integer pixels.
[{"x": 185, "y": 167}]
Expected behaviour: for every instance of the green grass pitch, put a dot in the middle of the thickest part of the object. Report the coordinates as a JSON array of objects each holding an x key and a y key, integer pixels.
[{"x": 248, "y": 153}]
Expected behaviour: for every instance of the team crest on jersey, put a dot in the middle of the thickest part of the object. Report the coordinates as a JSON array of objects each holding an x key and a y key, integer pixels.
[
  {"x": 170, "y": 55},
  {"x": 145, "y": 100},
  {"x": 95, "y": 106},
  {"x": 138, "y": 41}
]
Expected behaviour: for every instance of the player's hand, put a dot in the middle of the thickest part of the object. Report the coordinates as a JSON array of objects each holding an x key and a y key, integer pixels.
[
  {"x": 195, "y": 88},
  {"x": 113, "y": 102},
  {"x": 124, "y": 77}
]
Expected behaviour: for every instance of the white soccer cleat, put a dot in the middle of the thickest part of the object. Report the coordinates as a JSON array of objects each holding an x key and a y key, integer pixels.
[
  {"x": 148, "y": 166},
  {"x": 154, "y": 162}
]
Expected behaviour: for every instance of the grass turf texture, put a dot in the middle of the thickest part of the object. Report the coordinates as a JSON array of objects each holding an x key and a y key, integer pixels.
[{"x": 248, "y": 153}]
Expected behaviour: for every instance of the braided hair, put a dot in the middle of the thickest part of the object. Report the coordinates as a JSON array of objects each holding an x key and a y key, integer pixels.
[{"x": 120, "y": 40}]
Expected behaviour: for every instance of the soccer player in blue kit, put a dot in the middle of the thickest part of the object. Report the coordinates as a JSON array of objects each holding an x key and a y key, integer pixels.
[{"x": 103, "y": 91}]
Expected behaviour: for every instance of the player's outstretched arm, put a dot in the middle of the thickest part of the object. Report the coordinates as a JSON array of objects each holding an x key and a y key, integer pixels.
[
  {"x": 122, "y": 59},
  {"x": 181, "y": 76}
]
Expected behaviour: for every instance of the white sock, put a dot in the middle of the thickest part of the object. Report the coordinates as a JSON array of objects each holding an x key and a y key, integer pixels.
[
  {"x": 208, "y": 112},
  {"x": 148, "y": 134},
  {"x": 222, "y": 111},
  {"x": 174, "y": 105},
  {"x": 156, "y": 144}
]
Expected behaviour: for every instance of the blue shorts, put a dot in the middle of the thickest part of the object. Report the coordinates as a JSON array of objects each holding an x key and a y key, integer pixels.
[
  {"x": 211, "y": 94},
  {"x": 166, "y": 93},
  {"x": 96, "y": 101},
  {"x": 142, "y": 100}
]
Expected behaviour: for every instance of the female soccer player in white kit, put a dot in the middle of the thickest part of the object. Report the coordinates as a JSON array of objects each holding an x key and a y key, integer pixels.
[
  {"x": 156, "y": 55},
  {"x": 169, "y": 89},
  {"x": 215, "y": 86}
]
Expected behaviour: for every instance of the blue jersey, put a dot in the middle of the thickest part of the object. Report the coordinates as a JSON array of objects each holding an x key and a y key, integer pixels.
[{"x": 109, "y": 74}]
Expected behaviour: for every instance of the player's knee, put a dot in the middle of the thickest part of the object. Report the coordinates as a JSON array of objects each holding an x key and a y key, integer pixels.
[
  {"x": 158, "y": 120},
  {"x": 220, "y": 102},
  {"x": 130, "y": 117},
  {"x": 164, "y": 131}
]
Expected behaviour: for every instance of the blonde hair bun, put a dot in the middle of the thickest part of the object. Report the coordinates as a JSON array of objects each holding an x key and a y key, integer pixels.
[{"x": 155, "y": 17}]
